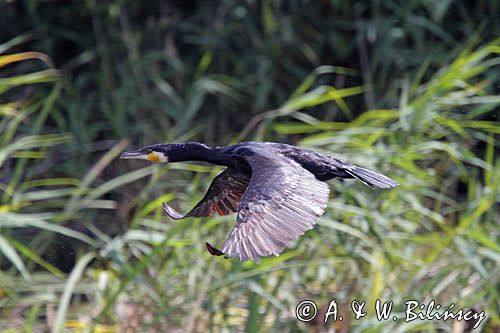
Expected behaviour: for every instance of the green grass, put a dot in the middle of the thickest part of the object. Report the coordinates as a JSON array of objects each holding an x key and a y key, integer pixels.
[{"x": 65, "y": 195}]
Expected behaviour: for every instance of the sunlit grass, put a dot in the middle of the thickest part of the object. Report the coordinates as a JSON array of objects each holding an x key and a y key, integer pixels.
[{"x": 434, "y": 237}]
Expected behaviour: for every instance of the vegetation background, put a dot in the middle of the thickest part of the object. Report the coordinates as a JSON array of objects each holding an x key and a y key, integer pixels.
[{"x": 409, "y": 88}]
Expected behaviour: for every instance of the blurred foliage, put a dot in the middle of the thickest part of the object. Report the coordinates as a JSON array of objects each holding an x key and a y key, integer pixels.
[{"x": 407, "y": 88}]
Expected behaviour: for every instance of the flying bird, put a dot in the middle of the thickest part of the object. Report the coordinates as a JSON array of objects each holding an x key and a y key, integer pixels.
[{"x": 277, "y": 190}]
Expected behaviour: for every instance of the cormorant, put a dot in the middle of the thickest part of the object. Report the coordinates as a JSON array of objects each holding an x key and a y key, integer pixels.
[{"x": 278, "y": 190}]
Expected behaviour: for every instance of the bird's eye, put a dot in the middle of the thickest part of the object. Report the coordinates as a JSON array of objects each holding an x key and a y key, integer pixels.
[{"x": 148, "y": 151}]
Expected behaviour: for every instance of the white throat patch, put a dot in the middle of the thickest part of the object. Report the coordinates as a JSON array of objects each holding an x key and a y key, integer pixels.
[{"x": 161, "y": 157}]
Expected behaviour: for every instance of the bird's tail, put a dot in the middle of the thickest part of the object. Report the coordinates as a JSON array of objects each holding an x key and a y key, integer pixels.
[{"x": 371, "y": 178}]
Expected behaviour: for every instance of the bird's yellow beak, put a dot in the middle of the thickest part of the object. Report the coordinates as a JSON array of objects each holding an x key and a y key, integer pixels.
[
  {"x": 137, "y": 155},
  {"x": 132, "y": 155},
  {"x": 153, "y": 157}
]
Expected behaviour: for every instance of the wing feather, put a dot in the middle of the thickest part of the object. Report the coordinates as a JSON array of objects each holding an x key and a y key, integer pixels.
[
  {"x": 223, "y": 196},
  {"x": 281, "y": 202}
]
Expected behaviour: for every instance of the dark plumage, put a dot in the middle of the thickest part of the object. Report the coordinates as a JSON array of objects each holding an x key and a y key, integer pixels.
[{"x": 278, "y": 190}]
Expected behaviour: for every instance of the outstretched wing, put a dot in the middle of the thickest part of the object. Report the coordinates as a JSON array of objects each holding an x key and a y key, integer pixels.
[
  {"x": 281, "y": 202},
  {"x": 223, "y": 196}
]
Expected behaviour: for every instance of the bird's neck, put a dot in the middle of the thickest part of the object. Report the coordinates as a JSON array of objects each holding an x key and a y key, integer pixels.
[{"x": 193, "y": 151}]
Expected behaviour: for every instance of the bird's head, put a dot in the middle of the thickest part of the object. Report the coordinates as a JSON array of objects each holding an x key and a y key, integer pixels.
[
  {"x": 168, "y": 152},
  {"x": 153, "y": 153}
]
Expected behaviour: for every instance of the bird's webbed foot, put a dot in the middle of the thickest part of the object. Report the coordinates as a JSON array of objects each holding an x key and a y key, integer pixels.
[{"x": 215, "y": 251}]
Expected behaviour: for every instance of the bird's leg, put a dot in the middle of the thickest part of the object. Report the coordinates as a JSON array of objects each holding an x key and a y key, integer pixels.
[{"x": 214, "y": 251}]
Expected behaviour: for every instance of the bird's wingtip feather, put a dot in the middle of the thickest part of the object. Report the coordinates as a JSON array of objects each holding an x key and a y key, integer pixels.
[{"x": 171, "y": 212}]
